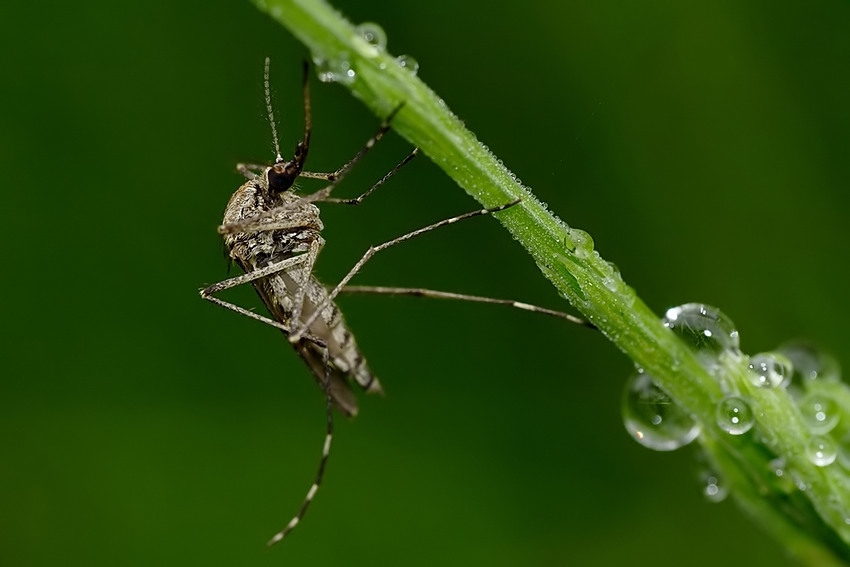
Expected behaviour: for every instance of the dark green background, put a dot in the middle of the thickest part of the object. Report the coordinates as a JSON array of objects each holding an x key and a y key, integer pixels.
[{"x": 704, "y": 145}]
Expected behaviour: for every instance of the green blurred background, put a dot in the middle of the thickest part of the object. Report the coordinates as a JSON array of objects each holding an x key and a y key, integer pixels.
[{"x": 704, "y": 145}]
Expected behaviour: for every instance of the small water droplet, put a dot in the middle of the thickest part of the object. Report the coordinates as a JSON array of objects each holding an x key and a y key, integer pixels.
[
  {"x": 820, "y": 412},
  {"x": 612, "y": 279},
  {"x": 821, "y": 450},
  {"x": 408, "y": 62},
  {"x": 334, "y": 70},
  {"x": 713, "y": 487},
  {"x": 734, "y": 415},
  {"x": 707, "y": 330},
  {"x": 777, "y": 465},
  {"x": 652, "y": 418},
  {"x": 810, "y": 363},
  {"x": 374, "y": 35},
  {"x": 770, "y": 370},
  {"x": 783, "y": 480},
  {"x": 801, "y": 484}
]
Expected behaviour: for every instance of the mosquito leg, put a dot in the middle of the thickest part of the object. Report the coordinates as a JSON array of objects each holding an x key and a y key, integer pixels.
[
  {"x": 306, "y": 273},
  {"x": 257, "y": 223},
  {"x": 208, "y": 292},
  {"x": 381, "y": 181},
  {"x": 323, "y": 460},
  {"x": 251, "y": 276},
  {"x": 420, "y": 292},
  {"x": 246, "y": 313},
  {"x": 296, "y": 335},
  {"x": 250, "y": 170},
  {"x": 336, "y": 176},
  {"x": 323, "y": 195}
]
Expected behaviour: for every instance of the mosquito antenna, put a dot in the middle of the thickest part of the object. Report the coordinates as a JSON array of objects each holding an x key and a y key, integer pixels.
[
  {"x": 308, "y": 119},
  {"x": 323, "y": 461},
  {"x": 278, "y": 158}
]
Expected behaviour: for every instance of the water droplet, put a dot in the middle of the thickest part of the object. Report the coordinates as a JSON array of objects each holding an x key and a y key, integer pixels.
[
  {"x": 713, "y": 487},
  {"x": 783, "y": 480},
  {"x": 652, "y": 418},
  {"x": 801, "y": 484},
  {"x": 777, "y": 465},
  {"x": 770, "y": 370},
  {"x": 408, "y": 63},
  {"x": 820, "y": 412},
  {"x": 611, "y": 277},
  {"x": 374, "y": 35},
  {"x": 734, "y": 415},
  {"x": 810, "y": 363},
  {"x": 706, "y": 329},
  {"x": 821, "y": 450},
  {"x": 334, "y": 70},
  {"x": 582, "y": 241}
]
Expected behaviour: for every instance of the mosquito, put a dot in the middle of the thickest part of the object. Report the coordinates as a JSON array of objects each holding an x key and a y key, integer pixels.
[{"x": 274, "y": 236}]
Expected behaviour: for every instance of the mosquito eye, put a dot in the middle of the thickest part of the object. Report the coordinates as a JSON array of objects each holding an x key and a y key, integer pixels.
[{"x": 279, "y": 180}]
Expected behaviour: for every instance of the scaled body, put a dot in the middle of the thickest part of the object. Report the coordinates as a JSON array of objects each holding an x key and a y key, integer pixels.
[{"x": 258, "y": 249}]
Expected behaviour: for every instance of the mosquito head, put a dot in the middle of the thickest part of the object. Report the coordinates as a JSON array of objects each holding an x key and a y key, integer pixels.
[{"x": 282, "y": 175}]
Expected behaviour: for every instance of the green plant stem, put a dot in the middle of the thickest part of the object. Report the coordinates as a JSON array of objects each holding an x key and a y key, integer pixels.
[
  {"x": 565, "y": 255},
  {"x": 592, "y": 285}
]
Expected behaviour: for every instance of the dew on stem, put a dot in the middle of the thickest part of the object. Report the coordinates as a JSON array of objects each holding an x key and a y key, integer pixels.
[{"x": 652, "y": 418}]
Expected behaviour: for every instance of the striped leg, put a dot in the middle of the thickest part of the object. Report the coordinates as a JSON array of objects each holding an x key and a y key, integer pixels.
[
  {"x": 435, "y": 294},
  {"x": 323, "y": 460},
  {"x": 298, "y": 333}
]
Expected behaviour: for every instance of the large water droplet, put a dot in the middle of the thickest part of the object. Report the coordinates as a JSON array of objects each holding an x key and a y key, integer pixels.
[
  {"x": 706, "y": 329},
  {"x": 770, "y": 370},
  {"x": 582, "y": 241},
  {"x": 810, "y": 363},
  {"x": 374, "y": 35},
  {"x": 734, "y": 415},
  {"x": 820, "y": 412},
  {"x": 821, "y": 450},
  {"x": 652, "y": 418},
  {"x": 408, "y": 63}
]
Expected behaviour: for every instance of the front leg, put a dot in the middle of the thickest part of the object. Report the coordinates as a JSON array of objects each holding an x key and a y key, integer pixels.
[
  {"x": 208, "y": 292},
  {"x": 306, "y": 273},
  {"x": 259, "y": 223},
  {"x": 251, "y": 170}
]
